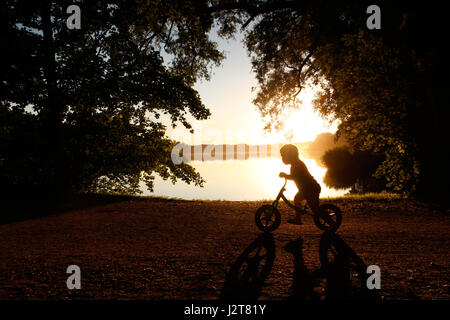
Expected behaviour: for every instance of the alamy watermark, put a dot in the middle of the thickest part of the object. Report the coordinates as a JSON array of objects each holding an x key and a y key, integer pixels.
[
  {"x": 74, "y": 280},
  {"x": 374, "y": 280},
  {"x": 74, "y": 20},
  {"x": 374, "y": 20},
  {"x": 182, "y": 153}
]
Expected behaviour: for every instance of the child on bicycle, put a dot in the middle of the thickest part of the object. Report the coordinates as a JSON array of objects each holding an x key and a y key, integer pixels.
[{"x": 309, "y": 189}]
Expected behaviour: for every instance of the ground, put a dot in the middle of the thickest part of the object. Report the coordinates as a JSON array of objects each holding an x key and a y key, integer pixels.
[{"x": 176, "y": 249}]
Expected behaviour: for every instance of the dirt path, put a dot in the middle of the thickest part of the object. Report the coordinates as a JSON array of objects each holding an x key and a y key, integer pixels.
[{"x": 155, "y": 249}]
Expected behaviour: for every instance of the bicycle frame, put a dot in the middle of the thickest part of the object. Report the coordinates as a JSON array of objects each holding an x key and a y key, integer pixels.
[{"x": 282, "y": 196}]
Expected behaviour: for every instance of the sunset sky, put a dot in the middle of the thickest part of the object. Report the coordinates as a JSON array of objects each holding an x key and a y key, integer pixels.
[{"x": 234, "y": 118}]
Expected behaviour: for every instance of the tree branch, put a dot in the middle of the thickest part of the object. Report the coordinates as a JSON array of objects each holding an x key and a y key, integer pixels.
[{"x": 254, "y": 9}]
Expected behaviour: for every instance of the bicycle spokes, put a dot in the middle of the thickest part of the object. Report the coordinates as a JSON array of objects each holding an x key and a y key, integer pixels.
[
  {"x": 330, "y": 214},
  {"x": 268, "y": 218}
]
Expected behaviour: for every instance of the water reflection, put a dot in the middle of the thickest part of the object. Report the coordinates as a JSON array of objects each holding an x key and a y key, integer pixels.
[{"x": 252, "y": 179}]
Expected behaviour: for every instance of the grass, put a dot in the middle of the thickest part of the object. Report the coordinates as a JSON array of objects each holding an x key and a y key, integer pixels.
[
  {"x": 130, "y": 196},
  {"x": 355, "y": 197},
  {"x": 369, "y": 196}
]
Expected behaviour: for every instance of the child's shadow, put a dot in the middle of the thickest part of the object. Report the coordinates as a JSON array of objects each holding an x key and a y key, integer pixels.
[
  {"x": 342, "y": 269},
  {"x": 304, "y": 281}
]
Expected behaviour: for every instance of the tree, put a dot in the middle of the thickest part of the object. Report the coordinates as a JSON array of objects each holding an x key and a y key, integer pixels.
[
  {"x": 340, "y": 164},
  {"x": 322, "y": 143},
  {"x": 384, "y": 86},
  {"x": 80, "y": 109},
  {"x": 348, "y": 168}
]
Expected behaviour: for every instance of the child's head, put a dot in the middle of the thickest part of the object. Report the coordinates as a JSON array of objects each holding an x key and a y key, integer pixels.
[{"x": 289, "y": 153}]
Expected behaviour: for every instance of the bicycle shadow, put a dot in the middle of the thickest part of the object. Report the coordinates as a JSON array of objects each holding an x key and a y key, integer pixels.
[
  {"x": 246, "y": 277},
  {"x": 342, "y": 269}
]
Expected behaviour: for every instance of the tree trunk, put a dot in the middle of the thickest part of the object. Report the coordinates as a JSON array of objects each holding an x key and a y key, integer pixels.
[{"x": 52, "y": 115}]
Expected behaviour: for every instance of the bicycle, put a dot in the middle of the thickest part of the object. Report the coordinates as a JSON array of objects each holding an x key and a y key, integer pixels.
[{"x": 268, "y": 218}]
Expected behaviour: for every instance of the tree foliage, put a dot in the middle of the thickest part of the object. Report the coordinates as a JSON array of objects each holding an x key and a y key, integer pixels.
[
  {"x": 321, "y": 144},
  {"x": 348, "y": 168},
  {"x": 340, "y": 164},
  {"x": 97, "y": 94},
  {"x": 384, "y": 86},
  {"x": 81, "y": 109}
]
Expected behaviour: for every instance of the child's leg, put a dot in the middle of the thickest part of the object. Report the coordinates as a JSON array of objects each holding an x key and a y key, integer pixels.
[
  {"x": 299, "y": 202},
  {"x": 313, "y": 202}
]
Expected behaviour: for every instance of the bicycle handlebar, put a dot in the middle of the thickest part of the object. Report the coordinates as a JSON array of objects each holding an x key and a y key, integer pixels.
[{"x": 285, "y": 182}]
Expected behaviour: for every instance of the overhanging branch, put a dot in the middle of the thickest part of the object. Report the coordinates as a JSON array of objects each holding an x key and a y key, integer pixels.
[{"x": 253, "y": 8}]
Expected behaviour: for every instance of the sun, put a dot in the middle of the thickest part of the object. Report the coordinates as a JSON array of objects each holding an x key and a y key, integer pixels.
[{"x": 303, "y": 124}]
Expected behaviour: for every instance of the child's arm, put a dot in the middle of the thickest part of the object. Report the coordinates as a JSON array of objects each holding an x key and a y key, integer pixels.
[{"x": 285, "y": 175}]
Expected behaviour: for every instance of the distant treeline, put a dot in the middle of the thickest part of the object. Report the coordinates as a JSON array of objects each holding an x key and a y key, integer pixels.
[{"x": 207, "y": 152}]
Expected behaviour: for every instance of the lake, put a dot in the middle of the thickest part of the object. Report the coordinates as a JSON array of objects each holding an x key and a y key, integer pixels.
[{"x": 240, "y": 180}]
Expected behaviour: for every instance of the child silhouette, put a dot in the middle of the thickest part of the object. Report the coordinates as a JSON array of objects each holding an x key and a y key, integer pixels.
[{"x": 309, "y": 189}]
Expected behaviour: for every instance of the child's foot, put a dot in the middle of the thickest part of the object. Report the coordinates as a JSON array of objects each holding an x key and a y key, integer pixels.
[
  {"x": 300, "y": 211},
  {"x": 296, "y": 220}
]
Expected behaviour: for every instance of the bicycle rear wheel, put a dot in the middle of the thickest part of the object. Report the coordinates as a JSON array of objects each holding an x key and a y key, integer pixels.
[
  {"x": 334, "y": 213},
  {"x": 267, "y": 218}
]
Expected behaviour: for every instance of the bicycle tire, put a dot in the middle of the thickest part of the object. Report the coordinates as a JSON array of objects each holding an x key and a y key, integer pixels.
[
  {"x": 336, "y": 212},
  {"x": 271, "y": 212}
]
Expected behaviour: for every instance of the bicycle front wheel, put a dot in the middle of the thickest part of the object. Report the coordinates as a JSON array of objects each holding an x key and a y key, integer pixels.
[{"x": 267, "y": 218}]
